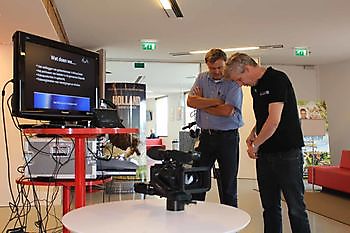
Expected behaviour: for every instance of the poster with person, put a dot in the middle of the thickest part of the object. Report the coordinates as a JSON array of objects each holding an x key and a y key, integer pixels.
[{"x": 314, "y": 123}]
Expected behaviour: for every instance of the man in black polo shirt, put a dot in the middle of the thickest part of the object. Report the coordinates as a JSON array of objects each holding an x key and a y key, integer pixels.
[{"x": 275, "y": 142}]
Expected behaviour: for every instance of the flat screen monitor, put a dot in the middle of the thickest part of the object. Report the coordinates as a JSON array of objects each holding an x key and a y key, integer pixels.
[{"x": 52, "y": 80}]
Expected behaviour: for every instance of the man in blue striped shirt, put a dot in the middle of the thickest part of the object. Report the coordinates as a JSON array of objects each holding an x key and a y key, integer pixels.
[{"x": 219, "y": 115}]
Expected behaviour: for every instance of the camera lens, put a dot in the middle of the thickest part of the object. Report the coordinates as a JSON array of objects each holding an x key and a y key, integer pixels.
[{"x": 188, "y": 179}]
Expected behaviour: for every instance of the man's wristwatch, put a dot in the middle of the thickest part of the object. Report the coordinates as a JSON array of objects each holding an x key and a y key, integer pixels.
[{"x": 254, "y": 146}]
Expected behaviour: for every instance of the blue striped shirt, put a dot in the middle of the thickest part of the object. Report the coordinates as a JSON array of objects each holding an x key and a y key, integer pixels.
[{"x": 226, "y": 90}]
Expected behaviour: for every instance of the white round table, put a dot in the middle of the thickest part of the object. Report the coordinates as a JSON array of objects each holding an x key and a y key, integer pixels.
[{"x": 151, "y": 216}]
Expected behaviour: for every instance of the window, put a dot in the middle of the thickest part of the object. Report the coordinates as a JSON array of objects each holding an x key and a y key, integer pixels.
[{"x": 162, "y": 116}]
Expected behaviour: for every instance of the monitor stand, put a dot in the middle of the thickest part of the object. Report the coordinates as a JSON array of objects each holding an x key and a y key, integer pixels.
[
  {"x": 56, "y": 124},
  {"x": 64, "y": 124},
  {"x": 59, "y": 124}
]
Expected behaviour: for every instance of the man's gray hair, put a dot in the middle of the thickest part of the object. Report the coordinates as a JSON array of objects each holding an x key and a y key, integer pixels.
[{"x": 237, "y": 61}]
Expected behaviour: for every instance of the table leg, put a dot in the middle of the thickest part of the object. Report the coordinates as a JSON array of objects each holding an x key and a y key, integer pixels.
[
  {"x": 80, "y": 190},
  {"x": 66, "y": 199},
  {"x": 66, "y": 203}
]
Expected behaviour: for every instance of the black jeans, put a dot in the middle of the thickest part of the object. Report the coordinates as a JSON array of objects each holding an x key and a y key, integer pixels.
[
  {"x": 223, "y": 147},
  {"x": 282, "y": 171}
]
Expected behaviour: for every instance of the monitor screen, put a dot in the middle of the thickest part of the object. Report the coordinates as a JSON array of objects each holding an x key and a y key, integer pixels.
[{"x": 53, "y": 80}]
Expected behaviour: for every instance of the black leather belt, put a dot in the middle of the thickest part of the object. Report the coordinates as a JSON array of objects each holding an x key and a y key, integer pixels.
[{"x": 216, "y": 131}]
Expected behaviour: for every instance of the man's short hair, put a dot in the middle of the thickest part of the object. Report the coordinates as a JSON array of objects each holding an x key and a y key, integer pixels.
[
  {"x": 237, "y": 61},
  {"x": 215, "y": 54}
]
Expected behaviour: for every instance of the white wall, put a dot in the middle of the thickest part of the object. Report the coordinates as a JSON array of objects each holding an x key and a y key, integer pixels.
[
  {"x": 305, "y": 80},
  {"x": 246, "y": 165},
  {"x": 176, "y": 117},
  {"x": 334, "y": 85},
  {"x": 151, "y": 106},
  {"x": 15, "y": 152}
]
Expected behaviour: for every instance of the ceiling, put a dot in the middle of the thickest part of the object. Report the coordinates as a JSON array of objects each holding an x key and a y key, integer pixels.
[{"x": 118, "y": 27}]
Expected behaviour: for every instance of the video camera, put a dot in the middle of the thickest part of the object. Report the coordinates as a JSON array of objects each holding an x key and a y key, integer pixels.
[{"x": 174, "y": 178}]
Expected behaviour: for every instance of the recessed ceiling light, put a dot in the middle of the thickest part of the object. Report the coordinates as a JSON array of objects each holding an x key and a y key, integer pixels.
[
  {"x": 171, "y": 8},
  {"x": 166, "y": 4},
  {"x": 239, "y": 49}
]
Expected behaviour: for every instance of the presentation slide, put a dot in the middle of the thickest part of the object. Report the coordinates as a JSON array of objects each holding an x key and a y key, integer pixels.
[{"x": 59, "y": 80}]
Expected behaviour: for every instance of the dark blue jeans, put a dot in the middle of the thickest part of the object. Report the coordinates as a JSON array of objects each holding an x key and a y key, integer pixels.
[
  {"x": 282, "y": 172},
  {"x": 223, "y": 147}
]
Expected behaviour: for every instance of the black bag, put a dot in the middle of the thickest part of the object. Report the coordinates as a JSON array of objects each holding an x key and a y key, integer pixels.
[{"x": 107, "y": 118}]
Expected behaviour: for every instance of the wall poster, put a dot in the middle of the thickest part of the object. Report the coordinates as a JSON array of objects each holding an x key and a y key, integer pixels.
[
  {"x": 130, "y": 98},
  {"x": 314, "y": 124}
]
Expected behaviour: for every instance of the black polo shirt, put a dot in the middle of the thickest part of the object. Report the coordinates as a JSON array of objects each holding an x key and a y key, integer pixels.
[{"x": 275, "y": 86}]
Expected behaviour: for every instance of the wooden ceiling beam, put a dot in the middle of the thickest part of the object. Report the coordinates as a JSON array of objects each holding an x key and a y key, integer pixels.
[{"x": 55, "y": 19}]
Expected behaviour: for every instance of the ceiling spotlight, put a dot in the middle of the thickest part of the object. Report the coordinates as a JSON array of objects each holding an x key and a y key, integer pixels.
[{"x": 171, "y": 8}]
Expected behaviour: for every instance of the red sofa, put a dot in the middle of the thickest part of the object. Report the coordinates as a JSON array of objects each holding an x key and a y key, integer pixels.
[
  {"x": 154, "y": 142},
  {"x": 332, "y": 177}
]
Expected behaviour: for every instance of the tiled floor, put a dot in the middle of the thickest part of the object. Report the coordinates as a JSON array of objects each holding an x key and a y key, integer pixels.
[{"x": 248, "y": 201}]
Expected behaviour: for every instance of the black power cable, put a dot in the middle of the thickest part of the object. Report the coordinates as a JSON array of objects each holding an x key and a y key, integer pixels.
[
  {"x": 20, "y": 206},
  {"x": 7, "y": 154}
]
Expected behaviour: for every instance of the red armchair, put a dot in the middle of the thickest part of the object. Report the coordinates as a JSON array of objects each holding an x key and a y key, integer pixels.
[
  {"x": 332, "y": 177},
  {"x": 154, "y": 142}
]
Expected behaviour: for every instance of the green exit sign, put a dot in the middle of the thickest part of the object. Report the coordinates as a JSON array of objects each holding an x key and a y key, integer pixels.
[
  {"x": 139, "y": 65},
  {"x": 301, "y": 52},
  {"x": 148, "y": 45}
]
